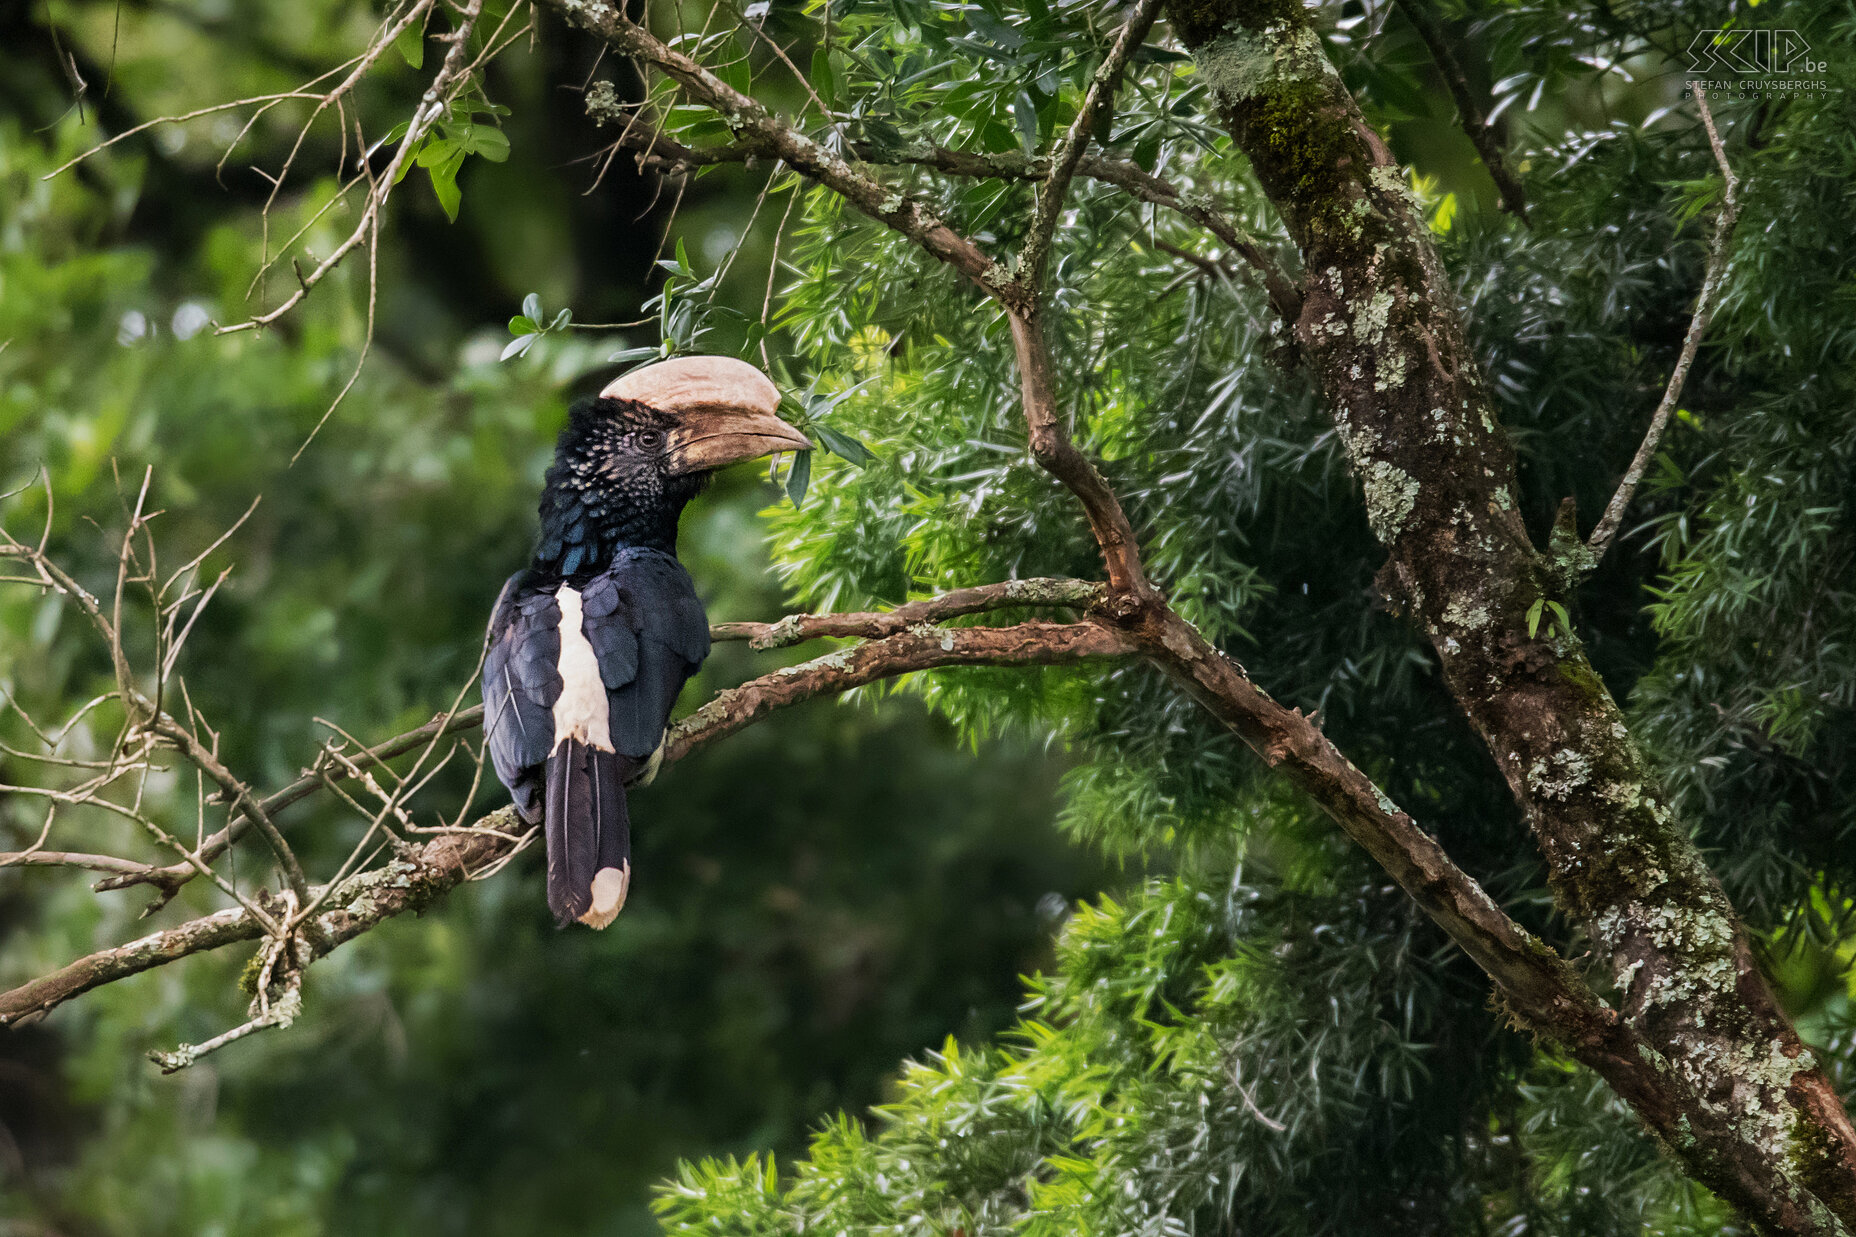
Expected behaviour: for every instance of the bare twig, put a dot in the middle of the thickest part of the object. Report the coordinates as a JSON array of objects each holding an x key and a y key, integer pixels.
[
  {"x": 757, "y": 130},
  {"x": 71, "y": 859},
  {"x": 658, "y": 152},
  {"x": 444, "y": 86},
  {"x": 417, "y": 879},
  {"x": 1718, "y": 253},
  {"x": 279, "y": 1014},
  {"x": 266, "y": 99}
]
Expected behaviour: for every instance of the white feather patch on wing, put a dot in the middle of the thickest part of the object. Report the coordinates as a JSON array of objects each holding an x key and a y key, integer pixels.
[
  {"x": 580, "y": 713},
  {"x": 610, "y": 886}
]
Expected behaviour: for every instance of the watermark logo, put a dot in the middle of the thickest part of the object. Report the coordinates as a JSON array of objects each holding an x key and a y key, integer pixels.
[
  {"x": 1753, "y": 64},
  {"x": 1778, "y": 53}
]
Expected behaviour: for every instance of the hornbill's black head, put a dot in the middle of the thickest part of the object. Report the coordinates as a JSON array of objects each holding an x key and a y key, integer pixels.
[{"x": 631, "y": 457}]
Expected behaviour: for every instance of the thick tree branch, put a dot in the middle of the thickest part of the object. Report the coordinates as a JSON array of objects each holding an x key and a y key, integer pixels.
[
  {"x": 1469, "y": 111},
  {"x": 1539, "y": 986},
  {"x": 1727, "y": 1085},
  {"x": 1033, "y": 643},
  {"x": 1718, "y": 252},
  {"x": 1058, "y": 455}
]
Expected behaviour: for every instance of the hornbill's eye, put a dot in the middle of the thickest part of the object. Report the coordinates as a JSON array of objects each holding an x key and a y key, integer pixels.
[{"x": 651, "y": 440}]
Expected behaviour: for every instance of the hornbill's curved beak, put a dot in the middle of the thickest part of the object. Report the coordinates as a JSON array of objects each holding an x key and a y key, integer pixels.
[{"x": 725, "y": 410}]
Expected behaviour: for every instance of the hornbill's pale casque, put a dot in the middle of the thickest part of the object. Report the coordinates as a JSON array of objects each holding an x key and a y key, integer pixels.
[{"x": 589, "y": 646}]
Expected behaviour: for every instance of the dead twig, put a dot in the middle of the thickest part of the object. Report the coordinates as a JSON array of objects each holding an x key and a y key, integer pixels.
[{"x": 1719, "y": 252}]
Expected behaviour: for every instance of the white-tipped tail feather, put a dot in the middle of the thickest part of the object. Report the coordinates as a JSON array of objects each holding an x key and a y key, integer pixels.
[{"x": 610, "y": 885}]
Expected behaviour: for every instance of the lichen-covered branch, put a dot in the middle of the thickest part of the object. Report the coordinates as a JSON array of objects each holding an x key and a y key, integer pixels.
[
  {"x": 797, "y": 628},
  {"x": 1737, "y": 1096}
]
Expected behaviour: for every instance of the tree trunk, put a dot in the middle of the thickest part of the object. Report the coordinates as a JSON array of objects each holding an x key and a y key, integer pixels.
[{"x": 1732, "y": 1092}]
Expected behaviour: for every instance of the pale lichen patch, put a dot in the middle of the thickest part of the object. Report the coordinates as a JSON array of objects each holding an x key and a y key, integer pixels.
[
  {"x": 1241, "y": 64},
  {"x": 1466, "y": 613},
  {"x": 1369, "y": 321},
  {"x": 1559, "y": 776},
  {"x": 1391, "y": 493}
]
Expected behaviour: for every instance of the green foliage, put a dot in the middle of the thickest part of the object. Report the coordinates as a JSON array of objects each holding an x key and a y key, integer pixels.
[
  {"x": 1262, "y": 1034},
  {"x": 442, "y": 149},
  {"x": 1122, "y": 1106},
  {"x": 815, "y": 899}
]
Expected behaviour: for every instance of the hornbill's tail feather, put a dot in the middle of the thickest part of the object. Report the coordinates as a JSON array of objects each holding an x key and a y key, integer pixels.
[{"x": 589, "y": 834}]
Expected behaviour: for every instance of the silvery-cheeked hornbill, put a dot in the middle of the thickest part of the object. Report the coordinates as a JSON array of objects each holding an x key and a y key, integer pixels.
[{"x": 590, "y": 645}]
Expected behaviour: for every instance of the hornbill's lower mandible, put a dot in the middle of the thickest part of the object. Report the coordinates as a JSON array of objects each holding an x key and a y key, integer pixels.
[{"x": 590, "y": 645}]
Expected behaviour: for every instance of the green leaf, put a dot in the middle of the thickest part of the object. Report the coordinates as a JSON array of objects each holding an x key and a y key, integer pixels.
[
  {"x": 486, "y": 140},
  {"x": 435, "y": 150},
  {"x": 624, "y": 355},
  {"x": 842, "y": 445},
  {"x": 1533, "y": 616},
  {"x": 1026, "y": 113},
  {"x": 445, "y": 185},
  {"x": 994, "y": 30},
  {"x": 411, "y": 45},
  {"x": 522, "y": 324},
  {"x": 823, "y": 79},
  {"x": 799, "y": 476}
]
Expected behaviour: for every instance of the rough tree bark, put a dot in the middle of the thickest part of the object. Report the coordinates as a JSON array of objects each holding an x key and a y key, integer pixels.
[{"x": 1730, "y": 1090}]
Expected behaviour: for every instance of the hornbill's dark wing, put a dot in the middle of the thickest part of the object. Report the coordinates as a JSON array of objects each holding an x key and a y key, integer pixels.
[
  {"x": 650, "y": 633},
  {"x": 521, "y": 682}
]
